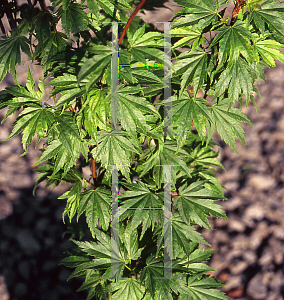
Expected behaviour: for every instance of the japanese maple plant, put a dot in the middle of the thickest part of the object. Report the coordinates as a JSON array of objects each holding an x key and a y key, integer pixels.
[{"x": 138, "y": 106}]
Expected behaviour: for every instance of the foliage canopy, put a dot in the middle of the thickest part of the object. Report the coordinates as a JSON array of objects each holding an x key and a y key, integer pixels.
[{"x": 223, "y": 59}]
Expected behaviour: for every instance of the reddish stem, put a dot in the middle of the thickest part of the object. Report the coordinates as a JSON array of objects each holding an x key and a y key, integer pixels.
[
  {"x": 130, "y": 20},
  {"x": 93, "y": 168},
  {"x": 237, "y": 8}
]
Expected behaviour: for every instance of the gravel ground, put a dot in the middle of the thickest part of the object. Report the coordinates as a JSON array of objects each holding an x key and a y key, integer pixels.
[{"x": 249, "y": 247}]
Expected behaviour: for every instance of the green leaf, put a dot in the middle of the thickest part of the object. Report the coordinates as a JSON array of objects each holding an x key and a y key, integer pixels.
[
  {"x": 30, "y": 81},
  {"x": 109, "y": 7},
  {"x": 268, "y": 50},
  {"x": 50, "y": 151},
  {"x": 196, "y": 256},
  {"x": 239, "y": 77},
  {"x": 61, "y": 158},
  {"x": 51, "y": 46},
  {"x": 182, "y": 234},
  {"x": 195, "y": 202},
  {"x": 139, "y": 46},
  {"x": 74, "y": 260},
  {"x": 42, "y": 24},
  {"x": 95, "y": 66},
  {"x": 67, "y": 129},
  {"x": 193, "y": 66},
  {"x": 103, "y": 252},
  {"x": 113, "y": 149},
  {"x": 204, "y": 288},
  {"x": 73, "y": 201},
  {"x": 31, "y": 119},
  {"x": 67, "y": 86},
  {"x": 10, "y": 55},
  {"x": 128, "y": 289},
  {"x": 201, "y": 12},
  {"x": 271, "y": 14},
  {"x": 74, "y": 19},
  {"x": 163, "y": 156},
  {"x": 130, "y": 240},
  {"x": 96, "y": 111},
  {"x": 91, "y": 282},
  {"x": 93, "y": 6},
  {"x": 158, "y": 288},
  {"x": 234, "y": 40},
  {"x": 252, "y": 4},
  {"x": 187, "y": 109},
  {"x": 102, "y": 261},
  {"x": 154, "y": 268},
  {"x": 65, "y": 4},
  {"x": 187, "y": 34},
  {"x": 45, "y": 171},
  {"x": 22, "y": 97},
  {"x": 145, "y": 76},
  {"x": 132, "y": 110},
  {"x": 96, "y": 203},
  {"x": 142, "y": 39},
  {"x": 202, "y": 156},
  {"x": 140, "y": 197},
  {"x": 227, "y": 122}
]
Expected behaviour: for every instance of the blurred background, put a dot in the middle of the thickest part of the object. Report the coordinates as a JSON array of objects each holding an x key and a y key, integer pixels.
[{"x": 249, "y": 247}]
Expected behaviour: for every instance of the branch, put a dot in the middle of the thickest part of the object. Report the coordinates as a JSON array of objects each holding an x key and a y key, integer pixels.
[
  {"x": 94, "y": 171},
  {"x": 236, "y": 10},
  {"x": 130, "y": 20},
  {"x": 94, "y": 168},
  {"x": 43, "y": 5},
  {"x": 8, "y": 12}
]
